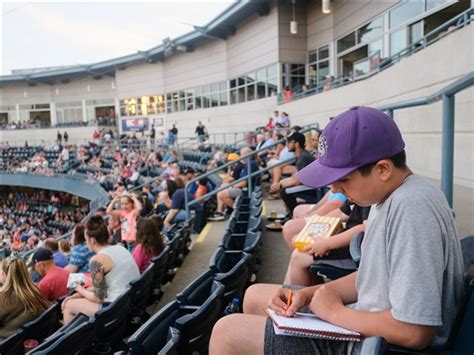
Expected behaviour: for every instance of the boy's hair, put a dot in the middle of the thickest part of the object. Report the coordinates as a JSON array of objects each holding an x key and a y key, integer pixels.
[{"x": 399, "y": 160}]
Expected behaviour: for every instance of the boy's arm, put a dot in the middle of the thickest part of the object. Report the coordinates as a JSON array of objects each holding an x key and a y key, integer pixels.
[{"x": 328, "y": 304}]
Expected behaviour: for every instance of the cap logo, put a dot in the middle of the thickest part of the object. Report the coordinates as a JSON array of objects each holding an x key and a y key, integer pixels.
[{"x": 322, "y": 146}]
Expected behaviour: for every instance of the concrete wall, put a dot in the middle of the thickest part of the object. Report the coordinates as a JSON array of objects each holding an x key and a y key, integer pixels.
[
  {"x": 292, "y": 48},
  {"x": 419, "y": 75},
  {"x": 140, "y": 80}
]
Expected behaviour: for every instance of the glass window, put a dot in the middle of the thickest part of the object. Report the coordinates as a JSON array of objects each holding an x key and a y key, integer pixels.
[
  {"x": 416, "y": 32},
  {"x": 405, "y": 11},
  {"x": 197, "y": 102},
  {"x": 323, "y": 52},
  {"x": 223, "y": 85},
  {"x": 375, "y": 48},
  {"x": 323, "y": 71},
  {"x": 233, "y": 96},
  {"x": 241, "y": 94},
  {"x": 371, "y": 30},
  {"x": 361, "y": 67},
  {"x": 197, "y": 91},
  {"x": 233, "y": 83},
  {"x": 251, "y": 92},
  {"x": 272, "y": 84},
  {"x": 312, "y": 56},
  {"x": 223, "y": 98},
  {"x": 431, "y": 4},
  {"x": 398, "y": 41},
  {"x": 206, "y": 101},
  {"x": 261, "y": 90},
  {"x": 215, "y": 87},
  {"x": 241, "y": 81},
  {"x": 271, "y": 71},
  {"x": 214, "y": 100},
  {"x": 261, "y": 75},
  {"x": 346, "y": 42}
]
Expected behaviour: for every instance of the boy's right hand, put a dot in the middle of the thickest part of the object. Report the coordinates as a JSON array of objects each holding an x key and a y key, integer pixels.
[{"x": 278, "y": 302}]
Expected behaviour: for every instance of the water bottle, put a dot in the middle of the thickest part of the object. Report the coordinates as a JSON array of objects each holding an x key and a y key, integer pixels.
[{"x": 232, "y": 307}]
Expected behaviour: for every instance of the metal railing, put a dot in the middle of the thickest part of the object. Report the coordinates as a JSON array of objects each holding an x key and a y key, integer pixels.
[
  {"x": 459, "y": 21},
  {"x": 248, "y": 177},
  {"x": 447, "y": 95}
]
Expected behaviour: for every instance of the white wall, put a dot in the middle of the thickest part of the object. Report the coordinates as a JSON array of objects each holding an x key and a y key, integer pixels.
[
  {"x": 419, "y": 75},
  {"x": 140, "y": 80}
]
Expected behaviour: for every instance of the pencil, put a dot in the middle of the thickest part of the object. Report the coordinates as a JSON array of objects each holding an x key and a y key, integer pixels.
[{"x": 288, "y": 302}]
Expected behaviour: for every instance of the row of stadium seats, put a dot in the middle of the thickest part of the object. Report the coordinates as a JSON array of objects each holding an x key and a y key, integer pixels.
[
  {"x": 184, "y": 325},
  {"x": 112, "y": 323}
]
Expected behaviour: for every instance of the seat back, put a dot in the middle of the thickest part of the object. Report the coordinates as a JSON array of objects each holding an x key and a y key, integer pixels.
[
  {"x": 75, "y": 341},
  {"x": 110, "y": 321},
  {"x": 233, "y": 270},
  {"x": 159, "y": 264},
  {"x": 462, "y": 339},
  {"x": 198, "y": 290},
  {"x": 196, "y": 327},
  {"x": 151, "y": 337},
  {"x": 44, "y": 325},
  {"x": 13, "y": 344},
  {"x": 171, "y": 346},
  {"x": 140, "y": 290}
]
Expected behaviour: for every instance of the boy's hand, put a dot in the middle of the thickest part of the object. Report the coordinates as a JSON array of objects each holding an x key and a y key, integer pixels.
[
  {"x": 278, "y": 302},
  {"x": 325, "y": 302}
]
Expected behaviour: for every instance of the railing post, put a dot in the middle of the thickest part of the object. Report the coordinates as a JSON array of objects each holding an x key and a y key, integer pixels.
[
  {"x": 249, "y": 172},
  {"x": 447, "y": 148}
]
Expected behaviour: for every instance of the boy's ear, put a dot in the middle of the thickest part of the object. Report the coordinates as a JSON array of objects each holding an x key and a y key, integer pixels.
[{"x": 384, "y": 169}]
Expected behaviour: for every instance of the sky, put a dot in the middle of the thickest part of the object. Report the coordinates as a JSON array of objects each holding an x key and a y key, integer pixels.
[{"x": 45, "y": 34}]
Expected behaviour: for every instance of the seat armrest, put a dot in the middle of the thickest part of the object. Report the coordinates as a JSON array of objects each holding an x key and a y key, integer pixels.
[{"x": 374, "y": 346}]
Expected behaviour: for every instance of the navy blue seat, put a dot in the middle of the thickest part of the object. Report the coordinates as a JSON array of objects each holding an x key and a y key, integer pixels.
[
  {"x": 159, "y": 264},
  {"x": 13, "y": 344},
  {"x": 44, "y": 325}
]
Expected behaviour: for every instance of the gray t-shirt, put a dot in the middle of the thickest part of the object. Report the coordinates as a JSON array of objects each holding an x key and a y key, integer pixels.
[{"x": 411, "y": 259}]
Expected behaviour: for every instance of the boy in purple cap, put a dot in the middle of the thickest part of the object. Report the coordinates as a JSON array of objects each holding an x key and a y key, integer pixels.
[{"x": 410, "y": 279}]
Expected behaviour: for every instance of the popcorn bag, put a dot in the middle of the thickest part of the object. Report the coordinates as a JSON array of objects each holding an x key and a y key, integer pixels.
[{"x": 317, "y": 227}]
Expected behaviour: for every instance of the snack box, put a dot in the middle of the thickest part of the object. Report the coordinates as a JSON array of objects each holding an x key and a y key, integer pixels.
[{"x": 317, "y": 227}]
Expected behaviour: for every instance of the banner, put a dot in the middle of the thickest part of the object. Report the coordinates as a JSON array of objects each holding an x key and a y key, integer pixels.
[{"x": 135, "y": 124}]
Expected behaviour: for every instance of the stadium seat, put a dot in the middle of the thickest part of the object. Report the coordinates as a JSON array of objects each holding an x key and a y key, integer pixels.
[
  {"x": 196, "y": 327},
  {"x": 76, "y": 340},
  {"x": 159, "y": 264},
  {"x": 110, "y": 323},
  {"x": 140, "y": 290},
  {"x": 13, "y": 344},
  {"x": 44, "y": 325}
]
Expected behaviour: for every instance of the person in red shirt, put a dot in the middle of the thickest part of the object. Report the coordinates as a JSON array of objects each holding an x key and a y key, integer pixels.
[{"x": 54, "y": 282}]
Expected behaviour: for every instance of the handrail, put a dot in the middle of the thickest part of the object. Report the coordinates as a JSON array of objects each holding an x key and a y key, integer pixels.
[
  {"x": 249, "y": 176},
  {"x": 461, "y": 20},
  {"x": 447, "y": 94}
]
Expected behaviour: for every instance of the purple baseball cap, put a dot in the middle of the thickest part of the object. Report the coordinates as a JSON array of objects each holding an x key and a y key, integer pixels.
[{"x": 354, "y": 138}]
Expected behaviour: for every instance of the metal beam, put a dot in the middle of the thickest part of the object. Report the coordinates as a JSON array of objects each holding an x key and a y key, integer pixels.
[{"x": 447, "y": 148}]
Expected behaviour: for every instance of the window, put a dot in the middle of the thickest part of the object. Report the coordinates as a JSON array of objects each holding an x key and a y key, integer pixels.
[
  {"x": 431, "y": 4},
  {"x": 67, "y": 112},
  {"x": 319, "y": 67},
  {"x": 405, "y": 12},
  {"x": 370, "y": 31},
  {"x": 416, "y": 31},
  {"x": 398, "y": 41},
  {"x": 346, "y": 42}
]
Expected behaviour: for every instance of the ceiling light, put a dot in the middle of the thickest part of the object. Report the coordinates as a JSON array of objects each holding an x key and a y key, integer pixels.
[
  {"x": 293, "y": 23},
  {"x": 327, "y": 6}
]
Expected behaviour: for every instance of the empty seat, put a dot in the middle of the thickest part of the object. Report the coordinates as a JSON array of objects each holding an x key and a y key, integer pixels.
[
  {"x": 43, "y": 326},
  {"x": 13, "y": 344},
  {"x": 159, "y": 264}
]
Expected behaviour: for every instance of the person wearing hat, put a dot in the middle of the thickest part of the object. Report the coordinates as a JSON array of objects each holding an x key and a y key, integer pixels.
[
  {"x": 409, "y": 283},
  {"x": 296, "y": 144},
  {"x": 54, "y": 279},
  {"x": 226, "y": 198}
]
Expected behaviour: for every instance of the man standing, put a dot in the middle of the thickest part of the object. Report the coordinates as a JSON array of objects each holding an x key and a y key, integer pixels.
[
  {"x": 201, "y": 132},
  {"x": 54, "y": 279}
]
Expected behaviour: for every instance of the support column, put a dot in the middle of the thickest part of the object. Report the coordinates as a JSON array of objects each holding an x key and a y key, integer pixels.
[
  {"x": 52, "y": 114},
  {"x": 84, "y": 111},
  {"x": 447, "y": 148}
]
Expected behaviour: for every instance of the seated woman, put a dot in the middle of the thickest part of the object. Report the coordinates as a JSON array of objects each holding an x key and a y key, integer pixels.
[
  {"x": 20, "y": 299},
  {"x": 112, "y": 269},
  {"x": 80, "y": 254},
  {"x": 149, "y": 243}
]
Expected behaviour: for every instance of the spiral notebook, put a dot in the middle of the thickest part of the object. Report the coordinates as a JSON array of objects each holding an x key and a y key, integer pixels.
[{"x": 308, "y": 325}]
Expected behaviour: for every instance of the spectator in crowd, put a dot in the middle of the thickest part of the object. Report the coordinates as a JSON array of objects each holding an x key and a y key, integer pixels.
[
  {"x": 20, "y": 299},
  {"x": 59, "y": 138},
  {"x": 149, "y": 243},
  {"x": 177, "y": 210},
  {"x": 53, "y": 282},
  {"x": 296, "y": 144},
  {"x": 201, "y": 132},
  {"x": 270, "y": 124},
  {"x": 64, "y": 247},
  {"x": 80, "y": 254},
  {"x": 409, "y": 283},
  {"x": 287, "y": 94},
  {"x": 66, "y": 137},
  {"x": 172, "y": 135},
  {"x": 112, "y": 269},
  {"x": 328, "y": 83},
  {"x": 130, "y": 209},
  {"x": 226, "y": 198},
  {"x": 60, "y": 259},
  {"x": 115, "y": 230}
]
